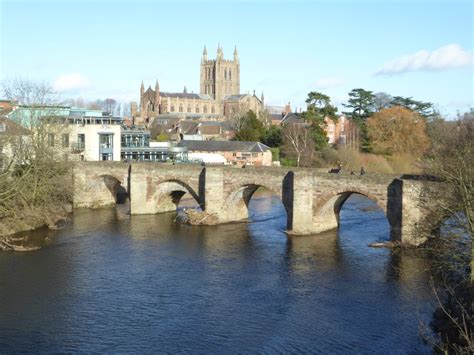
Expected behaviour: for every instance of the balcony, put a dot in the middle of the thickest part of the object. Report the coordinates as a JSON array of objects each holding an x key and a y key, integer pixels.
[{"x": 78, "y": 147}]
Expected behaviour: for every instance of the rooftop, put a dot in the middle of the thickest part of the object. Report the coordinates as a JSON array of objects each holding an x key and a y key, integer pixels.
[{"x": 224, "y": 146}]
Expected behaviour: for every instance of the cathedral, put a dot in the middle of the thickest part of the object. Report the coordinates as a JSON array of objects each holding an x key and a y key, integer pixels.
[{"x": 219, "y": 95}]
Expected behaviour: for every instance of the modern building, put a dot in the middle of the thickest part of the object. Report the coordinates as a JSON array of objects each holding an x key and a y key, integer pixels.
[
  {"x": 136, "y": 146},
  {"x": 92, "y": 135},
  {"x": 92, "y": 138}
]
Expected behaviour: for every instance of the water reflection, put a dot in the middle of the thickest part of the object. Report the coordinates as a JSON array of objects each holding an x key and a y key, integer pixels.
[{"x": 146, "y": 283}]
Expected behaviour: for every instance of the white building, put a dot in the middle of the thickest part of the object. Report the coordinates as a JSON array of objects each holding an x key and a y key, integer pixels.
[{"x": 94, "y": 138}]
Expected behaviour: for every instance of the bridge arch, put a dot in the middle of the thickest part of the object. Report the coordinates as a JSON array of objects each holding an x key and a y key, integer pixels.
[
  {"x": 109, "y": 189},
  {"x": 326, "y": 213},
  {"x": 168, "y": 193},
  {"x": 236, "y": 205}
]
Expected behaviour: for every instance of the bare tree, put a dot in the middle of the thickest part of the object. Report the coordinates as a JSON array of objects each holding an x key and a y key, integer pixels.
[
  {"x": 109, "y": 105},
  {"x": 298, "y": 142},
  {"x": 382, "y": 100},
  {"x": 34, "y": 176},
  {"x": 451, "y": 159},
  {"x": 237, "y": 118}
]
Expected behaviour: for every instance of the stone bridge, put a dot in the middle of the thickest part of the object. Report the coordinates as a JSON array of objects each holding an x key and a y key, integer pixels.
[{"x": 312, "y": 199}]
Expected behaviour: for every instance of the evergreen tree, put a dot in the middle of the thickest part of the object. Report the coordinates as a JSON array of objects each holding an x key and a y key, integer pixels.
[
  {"x": 425, "y": 109},
  {"x": 252, "y": 128},
  {"x": 272, "y": 137},
  {"x": 319, "y": 107},
  {"x": 361, "y": 104}
]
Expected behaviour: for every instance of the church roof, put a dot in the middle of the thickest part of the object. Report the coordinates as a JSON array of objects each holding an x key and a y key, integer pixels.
[
  {"x": 185, "y": 95},
  {"x": 235, "y": 97}
]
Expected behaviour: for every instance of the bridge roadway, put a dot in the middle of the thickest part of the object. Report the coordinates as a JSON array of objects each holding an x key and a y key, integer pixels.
[{"x": 312, "y": 199}]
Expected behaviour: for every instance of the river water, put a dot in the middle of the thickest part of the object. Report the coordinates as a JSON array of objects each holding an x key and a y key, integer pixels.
[{"x": 111, "y": 283}]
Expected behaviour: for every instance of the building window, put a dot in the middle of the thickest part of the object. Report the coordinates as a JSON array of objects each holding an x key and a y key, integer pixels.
[
  {"x": 230, "y": 75},
  {"x": 81, "y": 140},
  {"x": 213, "y": 110},
  {"x": 197, "y": 109},
  {"x": 189, "y": 109},
  {"x": 3, "y": 127},
  {"x": 204, "y": 109},
  {"x": 106, "y": 141},
  {"x": 172, "y": 108},
  {"x": 225, "y": 74},
  {"x": 51, "y": 139},
  {"x": 106, "y": 156},
  {"x": 65, "y": 140},
  {"x": 180, "y": 108}
]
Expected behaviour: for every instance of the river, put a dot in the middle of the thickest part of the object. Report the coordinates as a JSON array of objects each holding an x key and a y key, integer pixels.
[{"x": 111, "y": 283}]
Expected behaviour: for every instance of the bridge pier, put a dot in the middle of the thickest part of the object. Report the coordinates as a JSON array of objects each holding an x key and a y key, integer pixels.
[
  {"x": 211, "y": 191},
  {"x": 298, "y": 200},
  {"x": 312, "y": 200},
  {"x": 405, "y": 213}
]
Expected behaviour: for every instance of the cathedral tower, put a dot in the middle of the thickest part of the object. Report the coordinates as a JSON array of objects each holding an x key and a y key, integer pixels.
[{"x": 220, "y": 77}]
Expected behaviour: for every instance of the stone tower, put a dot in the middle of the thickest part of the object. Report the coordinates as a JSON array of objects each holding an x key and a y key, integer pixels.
[{"x": 220, "y": 77}]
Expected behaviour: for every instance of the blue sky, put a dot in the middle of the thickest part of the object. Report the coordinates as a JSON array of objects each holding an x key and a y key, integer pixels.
[{"x": 99, "y": 49}]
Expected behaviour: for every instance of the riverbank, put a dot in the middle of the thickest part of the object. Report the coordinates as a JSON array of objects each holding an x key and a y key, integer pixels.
[{"x": 29, "y": 219}]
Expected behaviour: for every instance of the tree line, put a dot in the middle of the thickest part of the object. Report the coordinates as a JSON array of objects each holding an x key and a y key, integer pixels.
[{"x": 383, "y": 124}]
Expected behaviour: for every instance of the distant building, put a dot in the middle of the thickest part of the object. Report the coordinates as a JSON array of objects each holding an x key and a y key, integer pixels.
[
  {"x": 93, "y": 135},
  {"x": 219, "y": 94},
  {"x": 234, "y": 152},
  {"x": 6, "y": 105},
  {"x": 277, "y": 113}
]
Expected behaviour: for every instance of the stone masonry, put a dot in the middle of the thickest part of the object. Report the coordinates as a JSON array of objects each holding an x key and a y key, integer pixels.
[{"x": 311, "y": 199}]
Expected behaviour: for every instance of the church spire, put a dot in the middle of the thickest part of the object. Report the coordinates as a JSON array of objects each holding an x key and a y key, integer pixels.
[
  {"x": 220, "y": 54},
  {"x": 236, "y": 55},
  {"x": 142, "y": 88},
  {"x": 157, "y": 95},
  {"x": 204, "y": 53},
  {"x": 262, "y": 98}
]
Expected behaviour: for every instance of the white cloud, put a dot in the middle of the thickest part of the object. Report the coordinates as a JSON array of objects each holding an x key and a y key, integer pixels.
[
  {"x": 446, "y": 57},
  {"x": 71, "y": 82},
  {"x": 328, "y": 82}
]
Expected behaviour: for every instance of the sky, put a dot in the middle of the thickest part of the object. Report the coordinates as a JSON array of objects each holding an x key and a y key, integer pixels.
[{"x": 98, "y": 49}]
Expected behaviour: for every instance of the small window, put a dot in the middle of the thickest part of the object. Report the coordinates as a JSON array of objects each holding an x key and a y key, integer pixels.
[
  {"x": 65, "y": 140},
  {"x": 197, "y": 109},
  {"x": 189, "y": 108},
  {"x": 172, "y": 108},
  {"x": 51, "y": 139},
  {"x": 3, "y": 127},
  {"x": 180, "y": 108},
  {"x": 205, "y": 109},
  {"x": 213, "y": 110}
]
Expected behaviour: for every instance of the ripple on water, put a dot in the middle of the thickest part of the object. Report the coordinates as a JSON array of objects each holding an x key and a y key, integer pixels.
[{"x": 147, "y": 284}]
